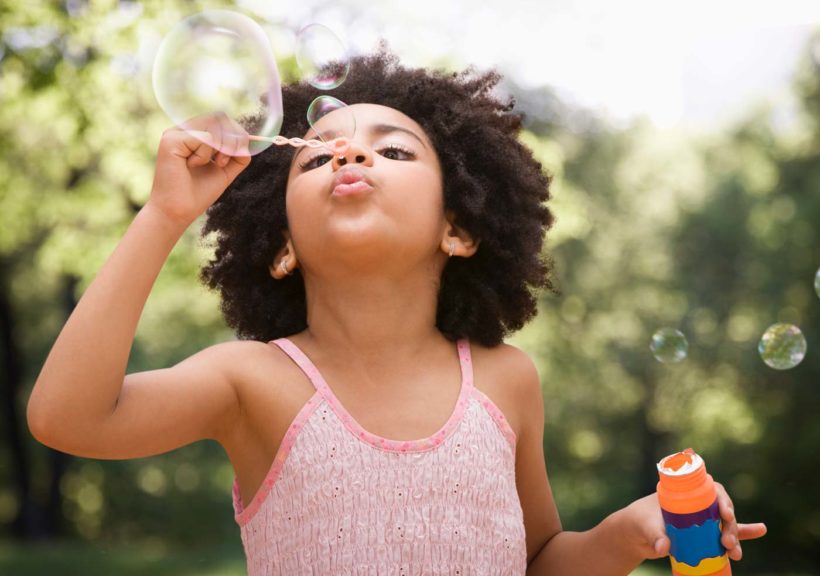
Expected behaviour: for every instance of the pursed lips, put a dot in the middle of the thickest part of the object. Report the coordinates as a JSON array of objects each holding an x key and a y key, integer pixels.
[{"x": 349, "y": 175}]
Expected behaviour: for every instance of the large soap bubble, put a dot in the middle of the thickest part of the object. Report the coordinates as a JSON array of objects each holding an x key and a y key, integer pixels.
[
  {"x": 322, "y": 57},
  {"x": 220, "y": 61}
]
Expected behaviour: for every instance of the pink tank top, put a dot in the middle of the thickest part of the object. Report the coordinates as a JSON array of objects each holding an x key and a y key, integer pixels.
[{"x": 339, "y": 500}]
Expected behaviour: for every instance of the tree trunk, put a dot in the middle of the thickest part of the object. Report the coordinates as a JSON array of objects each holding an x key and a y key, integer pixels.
[
  {"x": 33, "y": 521},
  {"x": 28, "y": 524}
]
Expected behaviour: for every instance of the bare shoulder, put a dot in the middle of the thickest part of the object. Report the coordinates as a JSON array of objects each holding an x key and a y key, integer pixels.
[
  {"x": 510, "y": 378},
  {"x": 242, "y": 357},
  {"x": 256, "y": 371},
  {"x": 251, "y": 363},
  {"x": 233, "y": 350}
]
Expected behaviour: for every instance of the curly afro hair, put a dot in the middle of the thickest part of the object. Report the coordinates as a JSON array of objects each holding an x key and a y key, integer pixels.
[{"x": 491, "y": 182}]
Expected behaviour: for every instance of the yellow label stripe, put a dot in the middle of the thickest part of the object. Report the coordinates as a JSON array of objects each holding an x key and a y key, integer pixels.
[{"x": 706, "y": 566}]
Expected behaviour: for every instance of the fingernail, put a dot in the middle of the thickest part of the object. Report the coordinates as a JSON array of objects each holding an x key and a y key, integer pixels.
[{"x": 658, "y": 545}]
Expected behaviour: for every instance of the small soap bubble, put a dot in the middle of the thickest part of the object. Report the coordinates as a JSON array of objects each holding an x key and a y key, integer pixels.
[
  {"x": 782, "y": 346},
  {"x": 322, "y": 57},
  {"x": 219, "y": 61},
  {"x": 817, "y": 282},
  {"x": 332, "y": 121},
  {"x": 669, "y": 345}
]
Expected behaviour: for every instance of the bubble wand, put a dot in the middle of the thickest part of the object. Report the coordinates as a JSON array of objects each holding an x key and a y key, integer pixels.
[{"x": 336, "y": 145}]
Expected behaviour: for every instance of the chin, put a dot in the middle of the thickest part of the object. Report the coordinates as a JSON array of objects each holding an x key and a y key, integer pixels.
[{"x": 360, "y": 230}]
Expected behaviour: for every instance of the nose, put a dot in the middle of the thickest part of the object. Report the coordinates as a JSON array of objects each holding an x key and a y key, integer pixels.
[{"x": 356, "y": 153}]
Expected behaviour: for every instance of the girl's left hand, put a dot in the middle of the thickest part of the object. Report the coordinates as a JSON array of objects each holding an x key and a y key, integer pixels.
[{"x": 646, "y": 531}]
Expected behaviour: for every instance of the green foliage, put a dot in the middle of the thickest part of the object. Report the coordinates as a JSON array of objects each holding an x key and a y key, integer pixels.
[
  {"x": 80, "y": 126},
  {"x": 716, "y": 235},
  {"x": 151, "y": 558}
]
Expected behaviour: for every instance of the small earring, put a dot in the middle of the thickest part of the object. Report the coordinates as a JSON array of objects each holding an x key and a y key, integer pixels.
[
  {"x": 452, "y": 247},
  {"x": 283, "y": 266}
]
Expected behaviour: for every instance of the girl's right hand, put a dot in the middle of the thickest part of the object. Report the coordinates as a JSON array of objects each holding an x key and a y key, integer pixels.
[{"x": 195, "y": 166}]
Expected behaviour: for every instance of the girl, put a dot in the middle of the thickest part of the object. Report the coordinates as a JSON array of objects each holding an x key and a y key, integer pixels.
[{"x": 375, "y": 420}]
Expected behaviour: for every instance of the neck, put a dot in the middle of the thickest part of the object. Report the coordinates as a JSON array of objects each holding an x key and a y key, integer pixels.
[{"x": 368, "y": 316}]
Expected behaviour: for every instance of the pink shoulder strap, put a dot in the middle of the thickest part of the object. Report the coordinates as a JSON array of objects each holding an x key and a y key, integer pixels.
[
  {"x": 301, "y": 360},
  {"x": 466, "y": 360}
]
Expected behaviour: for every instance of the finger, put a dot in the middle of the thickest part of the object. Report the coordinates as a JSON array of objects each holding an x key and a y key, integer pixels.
[
  {"x": 243, "y": 150},
  {"x": 654, "y": 533},
  {"x": 661, "y": 547},
  {"x": 243, "y": 153},
  {"x": 751, "y": 531},
  {"x": 238, "y": 163},
  {"x": 215, "y": 130},
  {"x": 729, "y": 537},
  {"x": 227, "y": 141},
  {"x": 239, "y": 141},
  {"x": 210, "y": 134},
  {"x": 725, "y": 505},
  {"x": 197, "y": 152},
  {"x": 183, "y": 143},
  {"x": 201, "y": 156},
  {"x": 231, "y": 131},
  {"x": 200, "y": 128},
  {"x": 240, "y": 153}
]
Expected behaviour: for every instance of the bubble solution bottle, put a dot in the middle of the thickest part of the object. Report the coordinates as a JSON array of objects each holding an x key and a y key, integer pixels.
[{"x": 688, "y": 501}]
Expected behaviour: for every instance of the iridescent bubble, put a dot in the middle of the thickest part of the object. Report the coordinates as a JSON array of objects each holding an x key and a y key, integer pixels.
[
  {"x": 782, "y": 346},
  {"x": 220, "y": 61},
  {"x": 669, "y": 345},
  {"x": 332, "y": 121},
  {"x": 817, "y": 282},
  {"x": 322, "y": 57}
]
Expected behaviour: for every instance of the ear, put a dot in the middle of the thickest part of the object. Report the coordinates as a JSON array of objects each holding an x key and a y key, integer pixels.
[
  {"x": 456, "y": 241},
  {"x": 286, "y": 255}
]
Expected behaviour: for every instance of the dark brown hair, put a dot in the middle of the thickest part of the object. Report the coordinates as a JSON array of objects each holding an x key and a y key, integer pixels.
[{"x": 492, "y": 184}]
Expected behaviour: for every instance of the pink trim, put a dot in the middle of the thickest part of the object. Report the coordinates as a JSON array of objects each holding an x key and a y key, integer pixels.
[
  {"x": 243, "y": 516},
  {"x": 498, "y": 416},
  {"x": 363, "y": 435}
]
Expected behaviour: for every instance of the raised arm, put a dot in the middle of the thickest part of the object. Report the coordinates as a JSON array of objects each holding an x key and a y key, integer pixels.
[{"x": 82, "y": 392}]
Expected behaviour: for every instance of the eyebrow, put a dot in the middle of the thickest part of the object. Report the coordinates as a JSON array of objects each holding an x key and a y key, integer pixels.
[
  {"x": 388, "y": 128},
  {"x": 380, "y": 129}
]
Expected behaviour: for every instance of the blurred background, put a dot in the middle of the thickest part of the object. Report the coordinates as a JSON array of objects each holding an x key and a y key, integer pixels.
[{"x": 684, "y": 140}]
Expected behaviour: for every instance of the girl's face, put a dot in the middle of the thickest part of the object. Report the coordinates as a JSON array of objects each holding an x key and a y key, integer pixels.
[{"x": 379, "y": 205}]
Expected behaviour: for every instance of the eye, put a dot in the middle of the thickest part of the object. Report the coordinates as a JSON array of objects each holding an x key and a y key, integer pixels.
[
  {"x": 315, "y": 161},
  {"x": 396, "y": 152}
]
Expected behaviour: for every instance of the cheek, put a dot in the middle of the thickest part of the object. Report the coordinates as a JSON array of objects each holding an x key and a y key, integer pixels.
[
  {"x": 304, "y": 206},
  {"x": 424, "y": 196},
  {"x": 299, "y": 193},
  {"x": 421, "y": 213}
]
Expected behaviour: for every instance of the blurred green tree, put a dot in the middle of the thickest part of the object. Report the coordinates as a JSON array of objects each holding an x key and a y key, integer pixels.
[
  {"x": 716, "y": 235},
  {"x": 79, "y": 127}
]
